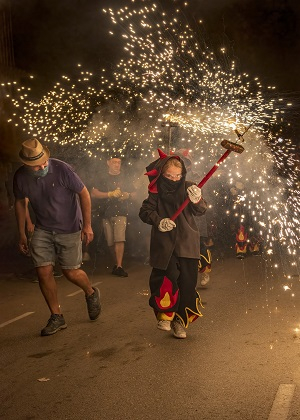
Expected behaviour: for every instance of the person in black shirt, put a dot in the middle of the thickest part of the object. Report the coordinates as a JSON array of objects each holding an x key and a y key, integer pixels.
[{"x": 114, "y": 193}]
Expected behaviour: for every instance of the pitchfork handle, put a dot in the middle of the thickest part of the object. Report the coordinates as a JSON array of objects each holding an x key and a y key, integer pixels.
[{"x": 201, "y": 183}]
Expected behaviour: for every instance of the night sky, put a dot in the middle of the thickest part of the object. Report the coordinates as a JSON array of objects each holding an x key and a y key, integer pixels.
[
  {"x": 263, "y": 36},
  {"x": 51, "y": 37}
]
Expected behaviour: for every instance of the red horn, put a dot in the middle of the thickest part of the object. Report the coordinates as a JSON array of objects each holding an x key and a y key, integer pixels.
[{"x": 162, "y": 154}]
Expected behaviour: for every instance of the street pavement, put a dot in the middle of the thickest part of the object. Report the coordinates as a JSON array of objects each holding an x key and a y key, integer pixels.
[{"x": 240, "y": 361}]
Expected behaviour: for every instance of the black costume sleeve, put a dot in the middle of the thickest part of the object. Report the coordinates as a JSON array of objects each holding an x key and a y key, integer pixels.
[{"x": 148, "y": 212}]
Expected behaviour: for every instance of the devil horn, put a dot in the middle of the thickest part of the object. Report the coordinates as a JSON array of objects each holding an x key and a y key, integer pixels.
[
  {"x": 153, "y": 172},
  {"x": 162, "y": 154}
]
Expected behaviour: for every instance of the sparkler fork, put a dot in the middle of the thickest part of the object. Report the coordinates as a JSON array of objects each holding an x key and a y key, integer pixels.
[{"x": 231, "y": 147}]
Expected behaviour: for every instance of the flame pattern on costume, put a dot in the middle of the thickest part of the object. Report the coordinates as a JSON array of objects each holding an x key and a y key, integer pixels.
[
  {"x": 241, "y": 243},
  {"x": 166, "y": 299},
  {"x": 204, "y": 264},
  {"x": 165, "y": 302},
  {"x": 190, "y": 314},
  {"x": 256, "y": 245}
]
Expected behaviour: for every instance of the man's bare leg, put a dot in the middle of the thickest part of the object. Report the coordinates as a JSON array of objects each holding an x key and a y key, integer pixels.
[{"x": 48, "y": 287}]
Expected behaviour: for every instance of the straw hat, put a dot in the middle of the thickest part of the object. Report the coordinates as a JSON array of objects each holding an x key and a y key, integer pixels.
[{"x": 33, "y": 153}]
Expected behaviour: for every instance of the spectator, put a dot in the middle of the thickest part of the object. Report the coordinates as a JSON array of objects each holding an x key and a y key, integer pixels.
[
  {"x": 174, "y": 247},
  {"x": 53, "y": 189},
  {"x": 114, "y": 192}
]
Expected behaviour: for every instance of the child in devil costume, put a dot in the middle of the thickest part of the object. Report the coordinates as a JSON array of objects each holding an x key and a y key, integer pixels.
[{"x": 174, "y": 247}]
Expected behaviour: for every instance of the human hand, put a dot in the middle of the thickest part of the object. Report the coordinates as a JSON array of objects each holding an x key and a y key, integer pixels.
[
  {"x": 87, "y": 234},
  {"x": 194, "y": 194},
  {"x": 23, "y": 244},
  {"x": 30, "y": 228},
  {"x": 166, "y": 224},
  {"x": 125, "y": 195},
  {"x": 115, "y": 194}
]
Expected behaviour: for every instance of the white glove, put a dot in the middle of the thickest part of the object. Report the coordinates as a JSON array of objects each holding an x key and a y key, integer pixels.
[
  {"x": 194, "y": 194},
  {"x": 165, "y": 225}
]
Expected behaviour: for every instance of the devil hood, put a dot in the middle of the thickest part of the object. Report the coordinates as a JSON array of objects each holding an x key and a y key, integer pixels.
[{"x": 154, "y": 169}]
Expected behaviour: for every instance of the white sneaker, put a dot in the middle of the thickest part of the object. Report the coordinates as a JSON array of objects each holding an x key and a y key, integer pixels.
[
  {"x": 205, "y": 279},
  {"x": 178, "y": 329},
  {"x": 164, "y": 325}
]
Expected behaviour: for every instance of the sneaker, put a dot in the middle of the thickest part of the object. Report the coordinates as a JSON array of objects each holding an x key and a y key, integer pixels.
[
  {"x": 57, "y": 274},
  {"x": 205, "y": 279},
  {"x": 164, "y": 325},
  {"x": 178, "y": 329},
  {"x": 114, "y": 269},
  {"x": 56, "y": 322},
  {"x": 93, "y": 304},
  {"x": 119, "y": 271}
]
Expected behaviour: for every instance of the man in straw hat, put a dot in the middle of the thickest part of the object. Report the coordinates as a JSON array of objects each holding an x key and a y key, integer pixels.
[{"x": 62, "y": 222}]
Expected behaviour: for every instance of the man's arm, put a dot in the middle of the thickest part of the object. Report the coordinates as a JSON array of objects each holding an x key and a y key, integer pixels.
[
  {"x": 85, "y": 202},
  {"x": 20, "y": 212},
  {"x": 95, "y": 193},
  {"x": 29, "y": 224}
]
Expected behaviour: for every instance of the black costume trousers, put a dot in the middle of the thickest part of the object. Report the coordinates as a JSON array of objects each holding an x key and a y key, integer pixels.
[{"x": 173, "y": 291}]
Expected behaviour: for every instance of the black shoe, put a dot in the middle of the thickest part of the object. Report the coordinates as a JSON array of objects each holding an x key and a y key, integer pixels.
[
  {"x": 56, "y": 322},
  {"x": 57, "y": 274},
  {"x": 114, "y": 269},
  {"x": 93, "y": 304},
  {"x": 119, "y": 271}
]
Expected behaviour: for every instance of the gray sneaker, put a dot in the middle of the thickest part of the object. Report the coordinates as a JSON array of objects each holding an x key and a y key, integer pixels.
[
  {"x": 164, "y": 325},
  {"x": 93, "y": 304},
  {"x": 178, "y": 329},
  {"x": 56, "y": 322},
  {"x": 204, "y": 279}
]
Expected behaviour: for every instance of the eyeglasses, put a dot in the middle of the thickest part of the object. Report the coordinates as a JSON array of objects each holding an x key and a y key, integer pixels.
[{"x": 174, "y": 177}]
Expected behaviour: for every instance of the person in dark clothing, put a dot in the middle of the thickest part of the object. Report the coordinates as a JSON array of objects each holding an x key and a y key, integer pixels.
[
  {"x": 114, "y": 193},
  {"x": 174, "y": 246}
]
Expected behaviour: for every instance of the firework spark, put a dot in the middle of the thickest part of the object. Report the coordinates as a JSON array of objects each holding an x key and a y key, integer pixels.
[{"x": 170, "y": 90}]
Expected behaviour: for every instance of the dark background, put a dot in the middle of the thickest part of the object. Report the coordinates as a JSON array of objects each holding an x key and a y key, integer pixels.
[{"x": 51, "y": 37}]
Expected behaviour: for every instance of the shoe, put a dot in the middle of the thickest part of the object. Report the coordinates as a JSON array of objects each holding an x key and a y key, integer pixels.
[
  {"x": 178, "y": 329},
  {"x": 57, "y": 274},
  {"x": 119, "y": 271},
  {"x": 205, "y": 279},
  {"x": 114, "y": 269},
  {"x": 93, "y": 304},
  {"x": 56, "y": 322},
  {"x": 164, "y": 325}
]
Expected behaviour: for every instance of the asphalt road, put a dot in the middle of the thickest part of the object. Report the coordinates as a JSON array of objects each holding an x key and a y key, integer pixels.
[{"x": 240, "y": 361}]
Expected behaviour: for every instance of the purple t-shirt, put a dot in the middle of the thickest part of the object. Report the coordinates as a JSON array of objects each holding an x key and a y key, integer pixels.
[{"x": 53, "y": 197}]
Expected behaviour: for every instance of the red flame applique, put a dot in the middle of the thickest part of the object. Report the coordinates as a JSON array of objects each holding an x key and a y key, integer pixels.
[
  {"x": 241, "y": 236},
  {"x": 166, "y": 299}
]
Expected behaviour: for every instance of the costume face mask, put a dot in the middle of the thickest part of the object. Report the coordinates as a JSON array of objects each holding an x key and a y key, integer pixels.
[{"x": 40, "y": 172}]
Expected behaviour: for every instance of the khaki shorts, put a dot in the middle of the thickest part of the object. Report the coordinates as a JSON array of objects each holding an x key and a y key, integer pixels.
[
  {"x": 46, "y": 247},
  {"x": 114, "y": 229}
]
